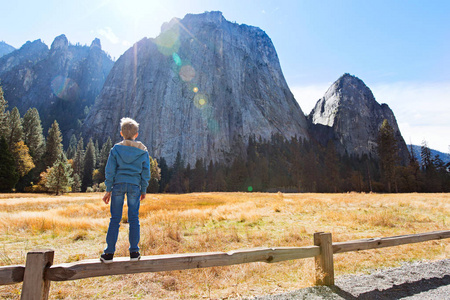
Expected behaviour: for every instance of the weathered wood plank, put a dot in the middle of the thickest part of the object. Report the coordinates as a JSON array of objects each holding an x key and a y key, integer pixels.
[
  {"x": 35, "y": 286},
  {"x": 324, "y": 273},
  {"x": 366, "y": 244},
  {"x": 11, "y": 274},
  {"x": 157, "y": 263}
]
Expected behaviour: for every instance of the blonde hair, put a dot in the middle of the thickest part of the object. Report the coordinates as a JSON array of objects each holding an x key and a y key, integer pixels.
[{"x": 129, "y": 128}]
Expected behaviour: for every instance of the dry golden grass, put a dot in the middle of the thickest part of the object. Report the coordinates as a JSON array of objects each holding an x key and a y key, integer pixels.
[{"x": 75, "y": 227}]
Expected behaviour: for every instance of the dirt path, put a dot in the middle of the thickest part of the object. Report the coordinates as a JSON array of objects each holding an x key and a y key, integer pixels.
[{"x": 418, "y": 280}]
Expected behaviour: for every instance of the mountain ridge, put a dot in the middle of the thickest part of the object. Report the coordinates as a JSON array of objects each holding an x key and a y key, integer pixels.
[
  {"x": 442, "y": 155},
  {"x": 204, "y": 96},
  {"x": 59, "y": 81},
  {"x": 202, "y": 88},
  {"x": 5, "y": 48}
]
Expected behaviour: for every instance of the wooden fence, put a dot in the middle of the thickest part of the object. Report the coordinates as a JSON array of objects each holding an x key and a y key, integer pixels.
[{"x": 38, "y": 271}]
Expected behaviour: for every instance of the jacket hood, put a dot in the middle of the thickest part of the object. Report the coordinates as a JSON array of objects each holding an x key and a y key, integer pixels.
[{"x": 128, "y": 154}]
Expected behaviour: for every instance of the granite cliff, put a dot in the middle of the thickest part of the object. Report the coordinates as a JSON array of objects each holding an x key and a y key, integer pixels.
[
  {"x": 201, "y": 88},
  {"x": 60, "y": 82},
  {"x": 349, "y": 115}
]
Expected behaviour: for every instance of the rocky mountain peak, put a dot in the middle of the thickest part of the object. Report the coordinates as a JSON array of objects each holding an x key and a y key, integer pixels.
[
  {"x": 348, "y": 92},
  {"x": 215, "y": 17},
  {"x": 351, "y": 86},
  {"x": 354, "y": 117},
  {"x": 60, "y": 83},
  {"x": 34, "y": 46},
  {"x": 29, "y": 53},
  {"x": 60, "y": 43},
  {"x": 201, "y": 88},
  {"x": 96, "y": 44}
]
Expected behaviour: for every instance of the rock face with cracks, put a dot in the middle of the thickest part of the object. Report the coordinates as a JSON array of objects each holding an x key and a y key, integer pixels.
[
  {"x": 201, "y": 88},
  {"x": 60, "y": 82},
  {"x": 349, "y": 115}
]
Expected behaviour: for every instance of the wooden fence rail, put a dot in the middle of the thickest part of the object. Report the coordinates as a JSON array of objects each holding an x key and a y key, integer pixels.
[
  {"x": 157, "y": 263},
  {"x": 38, "y": 272}
]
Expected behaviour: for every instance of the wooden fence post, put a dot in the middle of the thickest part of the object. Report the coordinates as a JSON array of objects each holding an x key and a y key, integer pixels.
[
  {"x": 35, "y": 287},
  {"x": 324, "y": 261}
]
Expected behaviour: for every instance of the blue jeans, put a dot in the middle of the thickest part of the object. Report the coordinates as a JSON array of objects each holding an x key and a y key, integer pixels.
[{"x": 133, "y": 193}]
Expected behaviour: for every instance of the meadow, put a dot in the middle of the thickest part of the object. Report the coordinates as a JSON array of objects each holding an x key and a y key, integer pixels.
[{"x": 75, "y": 225}]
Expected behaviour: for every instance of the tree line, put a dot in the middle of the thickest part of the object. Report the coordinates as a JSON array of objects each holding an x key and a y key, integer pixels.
[
  {"x": 299, "y": 165},
  {"x": 30, "y": 162}
]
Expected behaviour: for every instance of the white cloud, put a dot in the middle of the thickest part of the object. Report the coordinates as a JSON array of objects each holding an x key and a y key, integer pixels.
[
  {"x": 109, "y": 35},
  {"x": 422, "y": 110},
  {"x": 126, "y": 43}
]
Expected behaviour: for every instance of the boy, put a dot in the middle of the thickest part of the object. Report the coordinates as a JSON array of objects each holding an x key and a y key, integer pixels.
[{"x": 127, "y": 172}]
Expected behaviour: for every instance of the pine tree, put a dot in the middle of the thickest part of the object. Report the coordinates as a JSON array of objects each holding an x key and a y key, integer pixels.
[
  {"x": 3, "y": 115},
  {"x": 428, "y": 169},
  {"x": 72, "y": 149},
  {"x": 103, "y": 158},
  {"x": 238, "y": 175},
  {"x": 198, "y": 177},
  {"x": 155, "y": 173},
  {"x": 24, "y": 161},
  {"x": 8, "y": 173},
  {"x": 78, "y": 160},
  {"x": 76, "y": 185},
  {"x": 14, "y": 132},
  {"x": 331, "y": 168},
  {"x": 427, "y": 159},
  {"x": 176, "y": 182},
  {"x": 59, "y": 177},
  {"x": 32, "y": 133},
  {"x": 53, "y": 147},
  {"x": 97, "y": 153},
  {"x": 210, "y": 180},
  {"x": 165, "y": 176},
  {"x": 88, "y": 166},
  {"x": 387, "y": 152},
  {"x": 310, "y": 176},
  {"x": 441, "y": 174},
  {"x": 414, "y": 171}
]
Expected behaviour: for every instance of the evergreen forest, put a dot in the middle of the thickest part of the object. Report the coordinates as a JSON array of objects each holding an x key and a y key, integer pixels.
[{"x": 32, "y": 162}]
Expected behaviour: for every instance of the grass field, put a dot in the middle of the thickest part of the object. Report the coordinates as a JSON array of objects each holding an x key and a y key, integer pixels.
[{"x": 75, "y": 226}]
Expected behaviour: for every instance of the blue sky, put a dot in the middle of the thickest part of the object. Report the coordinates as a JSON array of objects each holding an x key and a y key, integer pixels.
[{"x": 400, "y": 49}]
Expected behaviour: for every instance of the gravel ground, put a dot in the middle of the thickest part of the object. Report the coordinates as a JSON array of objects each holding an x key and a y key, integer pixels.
[{"x": 418, "y": 280}]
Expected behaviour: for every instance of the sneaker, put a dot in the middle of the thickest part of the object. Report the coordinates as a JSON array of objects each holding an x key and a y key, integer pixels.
[
  {"x": 135, "y": 256},
  {"x": 107, "y": 258}
]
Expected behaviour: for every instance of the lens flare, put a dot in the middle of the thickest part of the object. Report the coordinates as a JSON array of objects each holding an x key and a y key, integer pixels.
[
  {"x": 187, "y": 73},
  {"x": 168, "y": 42},
  {"x": 195, "y": 89},
  {"x": 200, "y": 100},
  {"x": 65, "y": 88},
  {"x": 213, "y": 125},
  {"x": 250, "y": 189},
  {"x": 176, "y": 59}
]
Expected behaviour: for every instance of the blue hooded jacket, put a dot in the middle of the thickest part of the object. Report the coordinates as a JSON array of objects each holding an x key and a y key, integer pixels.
[{"x": 128, "y": 162}]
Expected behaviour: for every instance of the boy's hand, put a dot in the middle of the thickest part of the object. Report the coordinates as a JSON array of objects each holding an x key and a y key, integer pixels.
[
  {"x": 107, "y": 197},
  {"x": 142, "y": 197}
]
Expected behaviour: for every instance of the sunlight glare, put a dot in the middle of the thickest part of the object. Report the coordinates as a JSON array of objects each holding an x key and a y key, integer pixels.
[
  {"x": 187, "y": 73},
  {"x": 200, "y": 100},
  {"x": 135, "y": 9}
]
